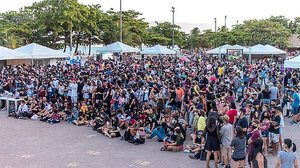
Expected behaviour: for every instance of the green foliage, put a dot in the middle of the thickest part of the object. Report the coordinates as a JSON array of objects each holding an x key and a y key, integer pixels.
[{"x": 162, "y": 33}]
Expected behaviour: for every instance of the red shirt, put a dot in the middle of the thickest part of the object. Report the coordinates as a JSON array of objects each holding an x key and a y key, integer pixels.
[{"x": 231, "y": 114}]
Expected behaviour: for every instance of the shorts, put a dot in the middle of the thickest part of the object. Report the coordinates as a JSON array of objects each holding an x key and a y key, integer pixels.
[
  {"x": 265, "y": 134},
  {"x": 236, "y": 160},
  {"x": 274, "y": 137},
  {"x": 225, "y": 150},
  {"x": 295, "y": 110},
  {"x": 266, "y": 101}
]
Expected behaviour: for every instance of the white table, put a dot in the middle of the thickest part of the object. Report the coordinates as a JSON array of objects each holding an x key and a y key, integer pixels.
[
  {"x": 15, "y": 101},
  {"x": 9, "y": 100}
]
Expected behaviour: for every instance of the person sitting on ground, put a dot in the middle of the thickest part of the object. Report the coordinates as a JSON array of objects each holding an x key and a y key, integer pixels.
[
  {"x": 46, "y": 112},
  {"x": 23, "y": 111},
  {"x": 54, "y": 117},
  {"x": 160, "y": 132},
  {"x": 177, "y": 145},
  {"x": 135, "y": 134},
  {"x": 198, "y": 143},
  {"x": 82, "y": 120}
]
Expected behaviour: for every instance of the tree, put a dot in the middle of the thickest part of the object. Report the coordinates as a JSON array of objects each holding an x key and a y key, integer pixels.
[{"x": 161, "y": 33}]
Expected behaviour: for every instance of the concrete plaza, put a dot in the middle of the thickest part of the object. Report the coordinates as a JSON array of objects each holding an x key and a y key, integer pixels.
[{"x": 34, "y": 144}]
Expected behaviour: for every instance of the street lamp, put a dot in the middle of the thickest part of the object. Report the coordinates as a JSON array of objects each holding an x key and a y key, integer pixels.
[
  {"x": 173, "y": 31},
  {"x": 215, "y": 24},
  {"x": 121, "y": 22},
  {"x": 225, "y": 21}
]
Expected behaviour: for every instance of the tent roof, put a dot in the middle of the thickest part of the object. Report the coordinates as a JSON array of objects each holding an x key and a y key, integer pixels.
[
  {"x": 37, "y": 51},
  {"x": 118, "y": 47},
  {"x": 220, "y": 50},
  {"x": 158, "y": 50},
  {"x": 292, "y": 63},
  {"x": 276, "y": 50},
  {"x": 9, "y": 54},
  {"x": 263, "y": 50}
]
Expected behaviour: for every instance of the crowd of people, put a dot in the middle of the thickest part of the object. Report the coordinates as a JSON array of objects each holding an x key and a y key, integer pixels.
[{"x": 233, "y": 111}]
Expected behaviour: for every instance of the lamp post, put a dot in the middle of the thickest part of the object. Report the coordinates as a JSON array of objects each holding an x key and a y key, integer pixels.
[
  {"x": 215, "y": 24},
  {"x": 225, "y": 21},
  {"x": 173, "y": 30},
  {"x": 71, "y": 39},
  {"x": 121, "y": 22}
]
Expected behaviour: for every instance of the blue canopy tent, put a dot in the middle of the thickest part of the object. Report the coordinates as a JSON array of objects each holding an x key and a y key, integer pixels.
[
  {"x": 118, "y": 47},
  {"x": 158, "y": 50}
]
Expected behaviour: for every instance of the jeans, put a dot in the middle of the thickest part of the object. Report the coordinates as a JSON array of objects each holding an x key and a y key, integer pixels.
[
  {"x": 159, "y": 132},
  {"x": 191, "y": 118}
]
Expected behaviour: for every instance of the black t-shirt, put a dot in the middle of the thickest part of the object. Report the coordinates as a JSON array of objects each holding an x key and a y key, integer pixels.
[
  {"x": 214, "y": 114},
  {"x": 266, "y": 94},
  {"x": 242, "y": 122},
  {"x": 275, "y": 119}
]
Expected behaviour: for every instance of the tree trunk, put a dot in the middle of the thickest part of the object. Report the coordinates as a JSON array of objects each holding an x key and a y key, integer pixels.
[
  {"x": 65, "y": 44},
  {"x": 77, "y": 43},
  {"x": 90, "y": 45}
]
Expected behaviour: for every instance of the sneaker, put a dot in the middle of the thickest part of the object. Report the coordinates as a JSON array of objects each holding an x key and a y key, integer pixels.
[
  {"x": 192, "y": 157},
  {"x": 187, "y": 151},
  {"x": 293, "y": 123},
  {"x": 220, "y": 163}
]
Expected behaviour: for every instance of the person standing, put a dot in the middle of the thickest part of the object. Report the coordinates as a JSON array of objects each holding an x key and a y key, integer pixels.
[
  {"x": 295, "y": 106},
  {"x": 226, "y": 133},
  {"x": 258, "y": 160},
  {"x": 74, "y": 91},
  {"x": 212, "y": 144},
  {"x": 288, "y": 157},
  {"x": 238, "y": 144}
]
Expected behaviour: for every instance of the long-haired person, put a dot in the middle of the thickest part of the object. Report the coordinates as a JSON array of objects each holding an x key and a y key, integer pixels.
[
  {"x": 258, "y": 159},
  {"x": 287, "y": 158},
  {"x": 212, "y": 145},
  {"x": 238, "y": 144}
]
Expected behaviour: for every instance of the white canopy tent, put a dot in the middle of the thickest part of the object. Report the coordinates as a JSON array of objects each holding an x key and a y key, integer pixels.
[
  {"x": 9, "y": 54},
  {"x": 292, "y": 63},
  {"x": 220, "y": 50},
  {"x": 158, "y": 50},
  {"x": 275, "y": 50},
  {"x": 118, "y": 47},
  {"x": 263, "y": 50},
  {"x": 37, "y": 51}
]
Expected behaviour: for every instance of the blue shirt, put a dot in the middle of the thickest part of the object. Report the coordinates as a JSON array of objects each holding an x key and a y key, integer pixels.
[
  {"x": 296, "y": 100},
  {"x": 287, "y": 159}
]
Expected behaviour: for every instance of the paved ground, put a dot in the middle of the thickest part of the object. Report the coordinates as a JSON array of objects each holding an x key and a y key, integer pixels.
[{"x": 33, "y": 144}]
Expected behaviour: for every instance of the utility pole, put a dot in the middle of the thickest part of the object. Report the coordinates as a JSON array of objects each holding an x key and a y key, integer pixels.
[
  {"x": 225, "y": 21},
  {"x": 215, "y": 24},
  {"x": 173, "y": 31},
  {"x": 121, "y": 23},
  {"x": 71, "y": 39}
]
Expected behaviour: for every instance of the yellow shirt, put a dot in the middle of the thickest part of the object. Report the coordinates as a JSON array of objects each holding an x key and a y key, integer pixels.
[
  {"x": 201, "y": 123},
  {"x": 220, "y": 71}
]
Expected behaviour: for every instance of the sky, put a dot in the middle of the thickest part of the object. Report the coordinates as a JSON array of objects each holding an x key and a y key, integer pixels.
[{"x": 191, "y": 13}]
